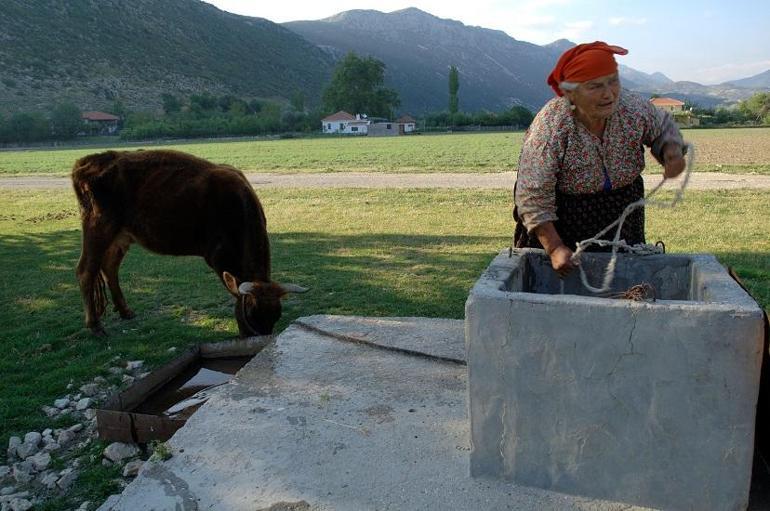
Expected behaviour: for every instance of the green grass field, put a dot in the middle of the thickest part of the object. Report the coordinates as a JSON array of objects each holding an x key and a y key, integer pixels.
[
  {"x": 726, "y": 150},
  {"x": 361, "y": 252}
]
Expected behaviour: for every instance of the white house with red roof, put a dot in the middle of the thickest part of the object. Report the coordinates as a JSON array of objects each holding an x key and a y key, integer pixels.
[
  {"x": 101, "y": 122},
  {"x": 343, "y": 122},
  {"x": 670, "y": 104},
  {"x": 684, "y": 118}
]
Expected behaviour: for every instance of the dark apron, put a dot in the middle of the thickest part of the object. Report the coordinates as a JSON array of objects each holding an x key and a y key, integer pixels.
[{"x": 582, "y": 216}]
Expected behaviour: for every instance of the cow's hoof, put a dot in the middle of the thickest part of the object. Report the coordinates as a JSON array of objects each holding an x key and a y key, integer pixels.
[
  {"x": 98, "y": 331},
  {"x": 127, "y": 314}
]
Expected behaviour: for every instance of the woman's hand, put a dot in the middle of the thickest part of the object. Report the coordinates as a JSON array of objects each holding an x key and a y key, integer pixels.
[
  {"x": 673, "y": 160},
  {"x": 561, "y": 260},
  {"x": 560, "y": 254}
]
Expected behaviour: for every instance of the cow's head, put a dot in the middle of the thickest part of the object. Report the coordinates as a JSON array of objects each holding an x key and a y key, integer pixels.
[{"x": 257, "y": 304}]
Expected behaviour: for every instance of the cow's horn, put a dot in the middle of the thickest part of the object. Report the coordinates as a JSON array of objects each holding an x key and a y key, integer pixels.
[
  {"x": 294, "y": 288},
  {"x": 245, "y": 288}
]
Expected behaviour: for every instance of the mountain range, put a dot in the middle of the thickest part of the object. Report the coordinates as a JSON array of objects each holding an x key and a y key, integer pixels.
[
  {"x": 496, "y": 70},
  {"x": 95, "y": 52},
  {"x": 92, "y": 52}
]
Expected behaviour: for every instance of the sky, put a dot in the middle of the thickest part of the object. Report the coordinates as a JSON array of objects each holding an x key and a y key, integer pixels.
[{"x": 708, "y": 41}]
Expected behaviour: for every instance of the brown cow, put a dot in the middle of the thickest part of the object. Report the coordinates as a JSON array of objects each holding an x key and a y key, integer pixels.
[{"x": 176, "y": 204}]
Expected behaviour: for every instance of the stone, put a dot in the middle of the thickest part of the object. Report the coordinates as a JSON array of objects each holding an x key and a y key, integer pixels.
[
  {"x": 66, "y": 478},
  {"x": 106, "y": 462},
  {"x": 89, "y": 414},
  {"x": 7, "y": 490},
  {"x": 47, "y": 432},
  {"x": 40, "y": 461},
  {"x": 5, "y": 470},
  {"x": 22, "y": 473},
  {"x": 26, "y": 450},
  {"x": 613, "y": 398},
  {"x": 48, "y": 479},
  {"x": 118, "y": 451},
  {"x": 85, "y": 505},
  {"x": 142, "y": 375},
  {"x": 53, "y": 446},
  {"x": 33, "y": 437},
  {"x": 132, "y": 468},
  {"x": 20, "y": 505},
  {"x": 62, "y": 403},
  {"x": 50, "y": 411},
  {"x": 75, "y": 428},
  {"x": 115, "y": 370},
  {"x": 100, "y": 380},
  {"x": 89, "y": 389},
  {"x": 128, "y": 379},
  {"x": 84, "y": 403},
  {"x": 13, "y": 444},
  {"x": 133, "y": 365},
  {"x": 65, "y": 437}
]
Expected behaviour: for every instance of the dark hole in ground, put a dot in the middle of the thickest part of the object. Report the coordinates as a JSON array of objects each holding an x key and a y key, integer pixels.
[{"x": 203, "y": 374}]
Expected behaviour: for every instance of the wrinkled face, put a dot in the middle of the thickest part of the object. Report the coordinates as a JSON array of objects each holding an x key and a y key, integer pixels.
[
  {"x": 259, "y": 310},
  {"x": 597, "y": 98}
]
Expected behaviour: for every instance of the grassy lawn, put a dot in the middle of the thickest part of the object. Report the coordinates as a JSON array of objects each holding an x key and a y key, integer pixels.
[
  {"x": 726, "y": 150},
  {"x": 362, "y": 252}
]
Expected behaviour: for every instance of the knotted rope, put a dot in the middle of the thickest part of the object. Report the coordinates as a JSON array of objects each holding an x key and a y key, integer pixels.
[{"x": 616, "y": 243}]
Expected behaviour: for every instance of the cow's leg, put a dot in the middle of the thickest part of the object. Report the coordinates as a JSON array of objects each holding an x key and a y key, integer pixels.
[
  {"x": 97, "y": 238},
  {"x": 110, "y": 266}
]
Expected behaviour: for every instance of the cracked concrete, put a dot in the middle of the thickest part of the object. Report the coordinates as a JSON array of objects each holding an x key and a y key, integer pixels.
[{"x": 316, "y": 422}]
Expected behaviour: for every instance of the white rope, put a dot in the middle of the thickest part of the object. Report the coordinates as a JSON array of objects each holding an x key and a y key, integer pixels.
[{"x": 616, "y": 243}]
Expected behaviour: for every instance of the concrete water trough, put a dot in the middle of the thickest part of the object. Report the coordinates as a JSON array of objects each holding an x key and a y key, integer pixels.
[
  {"x": 650, "y": 403},
  {"x": 156, "y": 406}
]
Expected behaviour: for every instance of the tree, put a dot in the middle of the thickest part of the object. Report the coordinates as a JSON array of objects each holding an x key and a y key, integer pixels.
[
  {"x": 66, "y": 122},
  {"x": 28, "y": 127},
  {"x": 298, "y": 101},
  {"x": 521, "y": 116},
  {"x": 357, "y": 86},
  {"x": 454, "y": 85},
  {"x": 757, "y": 107},
  {"x": 171, "y": 103}
]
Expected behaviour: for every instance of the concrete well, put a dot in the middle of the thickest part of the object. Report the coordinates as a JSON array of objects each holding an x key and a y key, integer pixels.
[{"x": 648, "y": 403}]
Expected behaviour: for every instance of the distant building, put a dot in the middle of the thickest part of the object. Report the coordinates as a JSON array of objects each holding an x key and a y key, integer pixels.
[
  {"x": 669, "y": 104},
  {"x": 684, "y": 118},
  {"x": 361, "y": 124},
  {"x": 343, "y": 122},
  {"x": 406, "y": 123},
  {"x": 100, "y": 122}
]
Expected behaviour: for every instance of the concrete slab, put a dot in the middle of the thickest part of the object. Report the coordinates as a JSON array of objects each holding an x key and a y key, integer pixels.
[{"x": 317, "y": 422}]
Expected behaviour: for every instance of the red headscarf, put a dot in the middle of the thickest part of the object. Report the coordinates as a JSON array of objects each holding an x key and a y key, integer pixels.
[{"x": 584, "y": 62}]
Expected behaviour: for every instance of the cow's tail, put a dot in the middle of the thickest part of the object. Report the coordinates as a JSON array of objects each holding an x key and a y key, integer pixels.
[
  {"x": 98, "y": 293},
  {"x": 86, "y": 173}
]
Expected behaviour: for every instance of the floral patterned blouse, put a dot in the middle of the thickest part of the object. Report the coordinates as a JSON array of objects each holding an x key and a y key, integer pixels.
[{"x": 560, "y": 153}]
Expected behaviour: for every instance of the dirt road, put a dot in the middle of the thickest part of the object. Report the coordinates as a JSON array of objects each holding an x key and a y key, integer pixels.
[{"x": 698, "y": 181}]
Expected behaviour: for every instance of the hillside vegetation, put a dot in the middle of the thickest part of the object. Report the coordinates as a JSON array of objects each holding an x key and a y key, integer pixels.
[{"x": 96, "y": 52}]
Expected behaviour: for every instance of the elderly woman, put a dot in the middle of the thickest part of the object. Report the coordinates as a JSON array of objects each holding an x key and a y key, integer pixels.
[{"x": 582, "y": 158}]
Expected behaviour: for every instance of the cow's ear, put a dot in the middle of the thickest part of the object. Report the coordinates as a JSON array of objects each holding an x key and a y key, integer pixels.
[{"x": 230, "y": 283}]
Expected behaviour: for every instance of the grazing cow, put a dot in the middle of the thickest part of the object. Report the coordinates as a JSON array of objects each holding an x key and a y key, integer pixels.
[{"x": 176, "y": 204}]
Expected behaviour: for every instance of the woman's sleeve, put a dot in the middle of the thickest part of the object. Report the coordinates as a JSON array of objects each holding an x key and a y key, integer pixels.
[
  {"x": 660, "y": 129},
  {"x": 541, "y": 155}
]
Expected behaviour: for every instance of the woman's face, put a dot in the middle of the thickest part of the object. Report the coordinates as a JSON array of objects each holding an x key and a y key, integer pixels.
[{"x": 596, "y": 98}]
